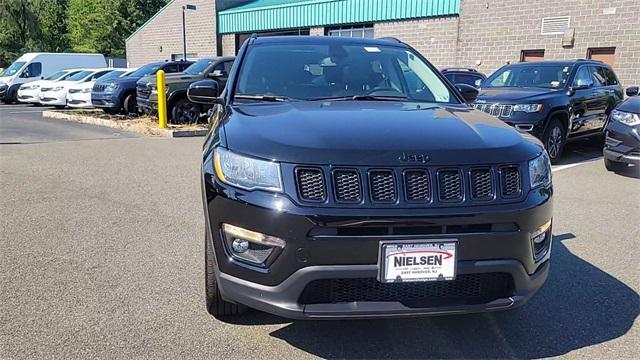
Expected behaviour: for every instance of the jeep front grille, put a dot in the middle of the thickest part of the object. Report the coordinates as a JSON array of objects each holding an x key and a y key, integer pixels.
[
  {"x": 99, "y": 87},
  {"x": 417, "y": 185},
  {"x": 408, "y": 187},
  {"x": 347, "y": 185},
  {"x": 450, "y": 185},
  {"x": 383, "y": 186},
  {"x": 310, "y": 184},
  {"x": 143, "y": 91},
  {"x": 510, "y": 180},
  {"x": 481, "y": 184},
  {"x": 498, "y": 110}
]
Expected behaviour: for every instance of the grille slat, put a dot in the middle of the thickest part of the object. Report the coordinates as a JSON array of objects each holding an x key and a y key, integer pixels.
[
  {"x": 417, "y": 185},
  {"x": 383, "y": 186},
  {"x": 143, "y": 91},
  {"x": 510, "y": 181},
  {"x": 481, "y": 184},
  {"x": 465, "y": 289},
  {"x": 450, "y": 185},
  {"x": 347, "y": 186},
  {"x": 311, "y": 185}
]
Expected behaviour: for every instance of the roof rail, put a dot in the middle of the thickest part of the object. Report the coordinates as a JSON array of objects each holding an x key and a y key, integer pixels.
[
  {"x": 390, "y": 38},
  {"x": 253, "y": 38}
]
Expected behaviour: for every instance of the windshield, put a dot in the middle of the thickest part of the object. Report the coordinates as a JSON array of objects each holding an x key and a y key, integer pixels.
[
  {"x": 148, "y": 69},
  {"x": 112, "y": 75},
  {"x": 542, "y": 76},
  {"x": 198, "y": 67},
  {"x": 321, "y": 71},
  {"x": 80, "y": 75},
  {"x": 13, "y": 69},
  {"x": 469, "y": 79},
  {"x": 56, "y": 75}
]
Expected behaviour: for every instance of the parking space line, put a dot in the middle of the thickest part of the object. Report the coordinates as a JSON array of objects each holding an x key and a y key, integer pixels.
[{"x": 568, "y": 166}]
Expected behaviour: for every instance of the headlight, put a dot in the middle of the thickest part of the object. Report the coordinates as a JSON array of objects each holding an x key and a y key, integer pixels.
[
  {"x": 528, "y": 108},
  {"x": 247, "y": 173},
  {"x": 110, "y": 87},
  {"x": 86, "y": 90},
  {"x": 625, "y": 117},
  {"x": 540, "y": 171},
  {"x": 58, "y": 88}
]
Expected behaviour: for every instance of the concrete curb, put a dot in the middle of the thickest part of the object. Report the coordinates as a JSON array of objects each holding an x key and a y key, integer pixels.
[{"x": 133, "y": 126}]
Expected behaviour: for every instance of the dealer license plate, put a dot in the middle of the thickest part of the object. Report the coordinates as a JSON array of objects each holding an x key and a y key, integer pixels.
[{"x": 417, "y": 261}]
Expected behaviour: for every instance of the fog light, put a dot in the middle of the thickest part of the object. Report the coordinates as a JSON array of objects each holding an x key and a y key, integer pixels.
[
  {"x": 240, "y": 245},
  {"x": 250, "y": 246},
  {"x": 540, "y": 240}
]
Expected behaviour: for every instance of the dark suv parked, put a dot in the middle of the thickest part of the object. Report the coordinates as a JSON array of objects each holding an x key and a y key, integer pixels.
[
  {"x": 464, "y": 76},
  {"x": 553, "y": 100},
  {"x": 346, "y": 177},
  {"x": 119, "y": 94},
  {"x": 622, "y": 141},
  {"x": 179, "y": 109}
]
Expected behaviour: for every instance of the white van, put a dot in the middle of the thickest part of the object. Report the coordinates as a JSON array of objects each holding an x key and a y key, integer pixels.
[{"x": 36, "y": 66}]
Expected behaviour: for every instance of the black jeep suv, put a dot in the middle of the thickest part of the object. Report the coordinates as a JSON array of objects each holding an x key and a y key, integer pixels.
[
  {"x": 347, "y": 178},
  {"x": 553, "y": 100}
]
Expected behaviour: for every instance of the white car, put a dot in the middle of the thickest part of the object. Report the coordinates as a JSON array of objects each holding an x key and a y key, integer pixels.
[
  {"x": 79, "y": 95},
  {"x": 29, "y": 92},
  {"x": 55, "y": 94}
]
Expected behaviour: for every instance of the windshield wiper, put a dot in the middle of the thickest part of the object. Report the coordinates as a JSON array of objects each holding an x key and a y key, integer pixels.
[
  {"x": 263, "y": 97},
  {"x": 363, "y": 97}
]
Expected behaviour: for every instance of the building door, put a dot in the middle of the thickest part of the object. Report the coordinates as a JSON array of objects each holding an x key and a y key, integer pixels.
[
  {"x": 606, "y": 55},
  {"x": 531, "y": 55}
]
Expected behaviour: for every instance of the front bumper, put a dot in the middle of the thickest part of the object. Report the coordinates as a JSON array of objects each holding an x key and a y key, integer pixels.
[
  {"x": 147, "y": 105},
  {"x": 79, "y": 100},
  {"x": 505, "y": 247},
  {"x": 55, "y": 98},
  {"x": 28, "y": 96},
  {"x": 622, "y": 143}
]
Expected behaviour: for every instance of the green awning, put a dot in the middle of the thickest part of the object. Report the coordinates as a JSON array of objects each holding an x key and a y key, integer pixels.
[{"x": 263, "y": 15}]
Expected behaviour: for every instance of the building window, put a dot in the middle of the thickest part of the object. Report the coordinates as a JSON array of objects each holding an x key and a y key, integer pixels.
[
  {"x": 190, "y": 56},
  {"x": 357, "y": 31},
  {"x": 531, "y": 55},
  {"x": 606, "y": 55},
  {"x": 240, "y": 38}
]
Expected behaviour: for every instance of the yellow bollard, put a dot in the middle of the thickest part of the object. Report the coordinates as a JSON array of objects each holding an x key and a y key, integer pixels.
[{"x": 162, "y": 100}]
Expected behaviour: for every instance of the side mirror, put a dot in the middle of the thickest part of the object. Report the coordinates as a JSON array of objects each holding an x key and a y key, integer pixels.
[
  {"x": 633, "y": 91},
  {"x": 217, "y": 74},
  {"x": 204, "y": 92},
  {"x": 468, "y": 92}
]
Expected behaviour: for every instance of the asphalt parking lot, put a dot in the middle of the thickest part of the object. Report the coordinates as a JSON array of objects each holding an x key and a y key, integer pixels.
[{"x": 101, "y": 255}]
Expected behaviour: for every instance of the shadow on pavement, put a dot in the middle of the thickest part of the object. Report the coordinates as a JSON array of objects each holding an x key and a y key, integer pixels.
[
  {"x": 580, "y": 150},
  {"x": 579, "y": 306}
]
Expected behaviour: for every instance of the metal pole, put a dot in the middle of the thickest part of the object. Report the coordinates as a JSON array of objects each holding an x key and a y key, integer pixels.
[
  {"x": 184, "y": 36},
  {"x": 162, "y": 100}
]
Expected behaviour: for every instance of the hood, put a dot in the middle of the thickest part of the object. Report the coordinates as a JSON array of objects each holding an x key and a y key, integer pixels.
[
  {"x": 512, "y": 94},
  {"x": 5, "y": 79},
  {"x": 631, "y": 105},
  {"x": 65, "y": 83},
  {"x": 373, "y": 133},
  {"x": 124, "y": 82},
  {"x": 39, "y": 83},
  {"x": 82, "y": 85}
]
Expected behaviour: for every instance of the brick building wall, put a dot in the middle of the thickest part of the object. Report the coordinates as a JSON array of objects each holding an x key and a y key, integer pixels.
[
  {"x": 229, "y": 45},
  {"x": 162, "y": 35},
  {"x": 435, "y": 38},
  {"x": 495, "y": 31}
]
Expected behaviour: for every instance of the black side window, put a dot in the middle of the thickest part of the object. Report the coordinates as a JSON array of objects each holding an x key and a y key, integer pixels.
[
  {"x": 609, "y": 75},
  {"x": 583, "y": 77},
  {"x": 227, "y": 66},
  {"x": 224, "y": 67},
  {"x": 32, "y": 70},
  {"x": 171, "y": 69},
  {"x": 96, "y": 75},
  {"x": 183, "y": 66},
  {"x": 598, "y": 77}
]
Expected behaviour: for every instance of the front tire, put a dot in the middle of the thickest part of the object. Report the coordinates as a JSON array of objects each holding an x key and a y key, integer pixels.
[
  {"x": 130, "y": 105},
  {"x": 554, "y": 139},
  {"x": 215, "y": 305},
  {"x": 614, "y": 166},
  {"x": 185, "y": 112}
]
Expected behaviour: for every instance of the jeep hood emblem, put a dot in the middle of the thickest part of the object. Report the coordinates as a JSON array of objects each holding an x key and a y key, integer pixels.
[{"x": 414, "y": 157}]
